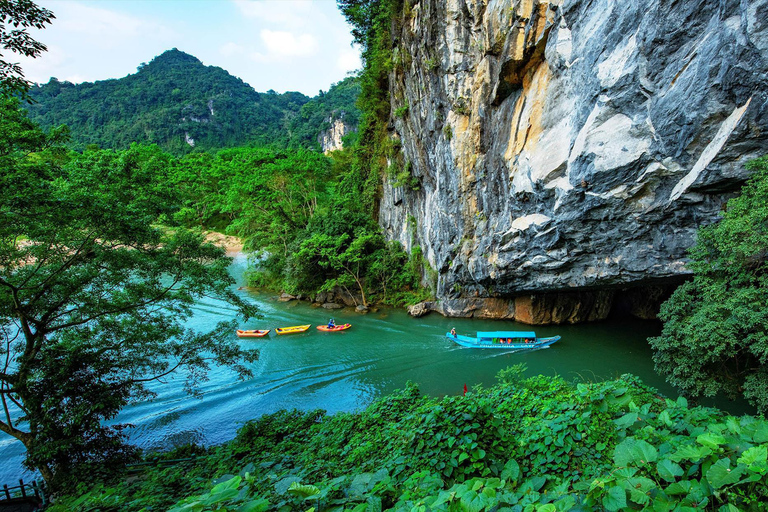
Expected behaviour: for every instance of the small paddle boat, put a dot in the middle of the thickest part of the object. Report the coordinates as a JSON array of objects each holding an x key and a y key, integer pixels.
[
  {"x": 292, "y": 329},
  {"x": 516, "y": 340},
  {"x": 252, "y": 333},
  {"x": 341, "y": 327}
]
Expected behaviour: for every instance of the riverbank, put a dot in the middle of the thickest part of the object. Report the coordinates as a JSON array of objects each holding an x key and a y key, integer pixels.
[
  {"x": 540, "y": 441},
  {"x": 231, "y": 244}
]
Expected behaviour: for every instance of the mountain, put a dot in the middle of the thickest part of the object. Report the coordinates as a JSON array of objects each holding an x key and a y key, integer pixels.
[
  {"x": 179, "y": 103},
  {"x": 562, "y": 155}
]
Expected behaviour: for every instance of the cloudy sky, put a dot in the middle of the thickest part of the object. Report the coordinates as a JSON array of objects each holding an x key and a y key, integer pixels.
[{"x": 285, "y": 45}]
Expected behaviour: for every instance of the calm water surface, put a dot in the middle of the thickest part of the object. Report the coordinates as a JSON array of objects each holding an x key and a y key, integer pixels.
[{"x": 345, "y": 371}]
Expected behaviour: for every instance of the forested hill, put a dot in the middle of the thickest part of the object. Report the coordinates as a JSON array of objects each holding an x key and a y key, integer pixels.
[{"x": 179, "y": 103}]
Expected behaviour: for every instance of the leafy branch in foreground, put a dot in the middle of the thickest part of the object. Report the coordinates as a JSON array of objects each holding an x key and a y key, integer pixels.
[
  {"x": 94, "y": 296},
  {"x": 21, "y": 14}
]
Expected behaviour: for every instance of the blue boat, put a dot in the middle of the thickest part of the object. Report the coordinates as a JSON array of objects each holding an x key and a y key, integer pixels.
[{"x": 503, "y": 340}]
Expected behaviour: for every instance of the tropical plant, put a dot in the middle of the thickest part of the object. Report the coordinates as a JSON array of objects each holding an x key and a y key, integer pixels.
[{"x": 715, "y": 335}]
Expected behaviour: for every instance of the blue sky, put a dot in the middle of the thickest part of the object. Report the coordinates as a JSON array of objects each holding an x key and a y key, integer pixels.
[{"x": 285, "y": 45}]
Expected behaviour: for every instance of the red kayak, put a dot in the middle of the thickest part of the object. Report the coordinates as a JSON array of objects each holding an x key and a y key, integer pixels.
[{"x": 341, "y": 327}]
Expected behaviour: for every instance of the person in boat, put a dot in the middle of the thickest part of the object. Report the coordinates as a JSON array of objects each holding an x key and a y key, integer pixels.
[
  {"x": 331, "y": 323},
  {"x": 453, "y": 332}
]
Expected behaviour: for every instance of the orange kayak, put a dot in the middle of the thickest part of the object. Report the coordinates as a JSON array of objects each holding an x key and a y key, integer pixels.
[
  {"x": 293, "y": 329},
  {"x": 252, "y": 333},
  {"x": 341, "y": 327}
]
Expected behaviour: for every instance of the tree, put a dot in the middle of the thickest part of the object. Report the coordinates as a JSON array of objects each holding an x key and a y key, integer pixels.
[
  {"x": 715, "y": 335},
  {"x": 94, "y": 295},
  {"x": 21, "y": 14}
]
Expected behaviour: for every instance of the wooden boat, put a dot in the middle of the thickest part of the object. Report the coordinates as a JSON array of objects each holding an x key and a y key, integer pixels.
[
  {"x": 503, "y": 340},
  {"x": 292, "y": 329},
  {"x": 341, "y": 327},
  {"x": 252, "y": 333}
]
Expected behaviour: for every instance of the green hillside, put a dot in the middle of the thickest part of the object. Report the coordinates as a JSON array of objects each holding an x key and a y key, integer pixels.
[{"x": 179, "y": 103}]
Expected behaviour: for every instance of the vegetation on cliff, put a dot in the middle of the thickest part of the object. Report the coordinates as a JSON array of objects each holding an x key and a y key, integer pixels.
[
  {"x": 537, "y": 444},
  {"x": 176, "y": 99},
  {"x": 715, "y": 336}
]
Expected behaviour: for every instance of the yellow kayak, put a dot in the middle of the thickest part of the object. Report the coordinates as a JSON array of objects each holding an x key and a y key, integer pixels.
[{"x": 292, "y": 330}]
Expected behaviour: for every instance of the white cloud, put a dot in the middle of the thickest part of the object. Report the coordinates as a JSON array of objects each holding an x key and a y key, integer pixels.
[
  {"x": 286, "y": 44},
  {"x": 230, "y": 49},
  {"x": 286, "y": 13},
  {"x": 110, "y": 27},
  {"x": 349, "y": 59}
]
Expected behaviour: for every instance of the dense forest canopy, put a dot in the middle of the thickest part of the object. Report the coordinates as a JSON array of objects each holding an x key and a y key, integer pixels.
[{"x": 180, "y": 104}]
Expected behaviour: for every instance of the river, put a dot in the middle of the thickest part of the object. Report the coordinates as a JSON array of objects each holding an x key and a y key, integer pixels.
[{"x": 345, "y": 371}]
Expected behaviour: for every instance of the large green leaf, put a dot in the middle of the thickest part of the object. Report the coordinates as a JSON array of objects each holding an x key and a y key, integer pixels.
[
  {"x": 711, "y": 440},
  {"x": 754, "y": 454},
  {"x": 690, "y": 453},
  {"x": 633, "y": 451},
  {"x": 721, "y": 474},
  {"x": 615, "y": 499},
  {"x": 668, "y": 470},
  {"x": 254, "y": 506}
]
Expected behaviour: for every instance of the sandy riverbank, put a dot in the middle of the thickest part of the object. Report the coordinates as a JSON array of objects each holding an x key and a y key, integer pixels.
[{"x": 231, "y": 244}]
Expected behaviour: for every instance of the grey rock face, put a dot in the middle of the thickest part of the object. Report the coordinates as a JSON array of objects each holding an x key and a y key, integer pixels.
[
  {"x": 571, "y": 145},
  {"x": 331, "y": 139}
]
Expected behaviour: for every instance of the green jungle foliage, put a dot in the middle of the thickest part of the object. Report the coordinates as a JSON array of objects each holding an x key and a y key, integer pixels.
[
  {"x": 338, "y": 103},
  {"x": 295, "y": 212},
  {"x": 95, "y": 295},
  {"x": 175, "y": 96},
  {"x": 539, "y": 444},
  {"x": 715, "y": 335},
  {"x": 98, "y": 272}
]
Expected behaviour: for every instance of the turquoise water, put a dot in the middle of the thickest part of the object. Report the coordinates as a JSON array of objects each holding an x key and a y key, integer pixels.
[{"x": 345, "y": 371}]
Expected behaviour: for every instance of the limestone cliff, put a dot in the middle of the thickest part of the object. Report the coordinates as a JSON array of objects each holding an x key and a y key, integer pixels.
[
  {"x": 331, "y": 139},
  {"x": 563, "y": 151}
]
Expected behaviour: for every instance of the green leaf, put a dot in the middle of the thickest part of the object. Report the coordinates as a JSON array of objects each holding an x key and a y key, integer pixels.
[
  {"x": 679, "y": 488},
  {"x": 721, "y": 474},
  {"x": 232, "y": 483},
  {"x": 303, "y": 491},
  {"x": 254, "y": 506},
  {"x": 472, "y": 502},
  {"x": 666, "y": 419},
  {"x": 615, "y": 499},
  {"x": 511, "y": 472},
  {"x": 755, "y": 454},
  {"x": 627, "y": 420},
  {"x": 691, "y": 453},
  {"x": 549, "y": 507},
  {"x": 711, "y": 440},
  {"x": 761, "y": 432},
  {"x": 632, "y": 451},
  {"x": 668, "y": 470}
]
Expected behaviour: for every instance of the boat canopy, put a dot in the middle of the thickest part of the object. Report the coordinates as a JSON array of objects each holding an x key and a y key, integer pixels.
[{"x": 506, "y": 334}]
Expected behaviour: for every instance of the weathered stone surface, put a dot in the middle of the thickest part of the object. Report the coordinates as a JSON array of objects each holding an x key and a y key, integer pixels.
[
  {"x": 420, "y": 309},
  {"x": 331, "y": 139},
  {"x": 569, "y": 146},
  {"x": 361, "y": 309},
  {"x": 332, "y": 305},
  {"x": 286, "y": 297}
]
